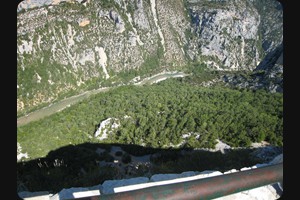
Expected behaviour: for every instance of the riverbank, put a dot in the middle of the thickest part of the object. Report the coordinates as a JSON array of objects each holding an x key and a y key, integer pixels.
[{"x": 59, "y": 106}]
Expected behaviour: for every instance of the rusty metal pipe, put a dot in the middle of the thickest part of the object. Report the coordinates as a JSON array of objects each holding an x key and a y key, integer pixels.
[{"x": 206, "y": 188}]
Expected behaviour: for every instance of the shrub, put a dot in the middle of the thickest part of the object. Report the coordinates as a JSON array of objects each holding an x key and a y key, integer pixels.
[{"x": 126, "y": 158}]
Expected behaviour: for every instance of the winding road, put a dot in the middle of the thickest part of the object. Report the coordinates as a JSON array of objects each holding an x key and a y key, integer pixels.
[{"x": 58, "y": 106}]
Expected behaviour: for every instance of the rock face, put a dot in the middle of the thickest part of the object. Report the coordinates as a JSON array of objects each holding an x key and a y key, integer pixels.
[
  {"x": 227, "y": 34},
  {"x": 230, "y": 33},
  {"x": 65, "y": 46}
]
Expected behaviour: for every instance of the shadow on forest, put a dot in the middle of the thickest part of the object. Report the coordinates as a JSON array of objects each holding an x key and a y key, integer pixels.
[{"x": 80, "y": 165}]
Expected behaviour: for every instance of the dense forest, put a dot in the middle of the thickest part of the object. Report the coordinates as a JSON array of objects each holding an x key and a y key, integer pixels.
[
  {"x": 162, "y": 120},
  {"x": 173, "y": 113}
]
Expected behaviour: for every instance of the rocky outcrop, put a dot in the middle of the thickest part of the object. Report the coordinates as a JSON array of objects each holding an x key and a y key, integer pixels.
[
  {"x": 67, "y": 46},
  {"x": 120, "y": 26},
  {"x": 106, "y": 127}
]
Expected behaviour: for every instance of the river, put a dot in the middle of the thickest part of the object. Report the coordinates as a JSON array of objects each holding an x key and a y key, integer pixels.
[{"x": 58, "y": 106}]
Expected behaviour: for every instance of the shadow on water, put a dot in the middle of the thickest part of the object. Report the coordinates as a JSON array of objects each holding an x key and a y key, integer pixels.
[{"x": 90, "y": 164}]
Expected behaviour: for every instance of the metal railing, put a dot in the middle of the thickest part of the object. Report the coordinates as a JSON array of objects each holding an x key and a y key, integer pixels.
[{"x": 206, "y": 188}]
